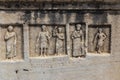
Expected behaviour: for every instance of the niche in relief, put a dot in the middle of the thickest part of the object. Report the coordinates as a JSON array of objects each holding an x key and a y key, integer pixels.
[
  {"x": 78, "y": 39},
  {"x": 99, "y": 39},
  {"x": 47, "y": 40},
  {"x": 11, "y": 38}
]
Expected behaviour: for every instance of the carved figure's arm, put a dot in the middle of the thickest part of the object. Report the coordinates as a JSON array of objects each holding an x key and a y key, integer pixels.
[
  {"x": 55, "y": 31},
  {"x": 37, "y": 43},
  {"x": 73, "y": 35},
  {"x": 104, "y": 35},
  {"x": 61, "y": 36},
  {"x": 15, "y": 42},
  {"x": 95, "y": 38},
  {"x": 82, "y": 37},
  {"x": 7, "y": 36},
  {"x": 48, "y": 37}
]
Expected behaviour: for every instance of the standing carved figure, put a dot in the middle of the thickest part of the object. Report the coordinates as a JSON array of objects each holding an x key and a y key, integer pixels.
[
  {"x": 100, "y": 37},
  {"x": 58, "y": 33},
  {"x": 78, "y": 42},
  {"x": 43, "y": 41},
  {"x": 10, "y": 38}
]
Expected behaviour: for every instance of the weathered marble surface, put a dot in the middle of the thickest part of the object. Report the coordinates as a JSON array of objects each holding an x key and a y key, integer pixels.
[{"x": 27, "y": 22}]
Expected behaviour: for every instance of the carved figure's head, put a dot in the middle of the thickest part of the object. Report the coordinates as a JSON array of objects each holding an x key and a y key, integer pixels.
[
  {"x": 78, "y": 26},
  {"x": 59, "y": 29},
  {"x": 10, "y": 28},
  {"x": 100, "y": 30},
  {"x": 43, "y": 28}
]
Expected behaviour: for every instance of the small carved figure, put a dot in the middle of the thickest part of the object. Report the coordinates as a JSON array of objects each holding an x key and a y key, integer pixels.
[
  {"x": 100, "y": 37},
  {"x": 38, "y": 18},
  {"x": 78, "y": 42},
  {"x": 58, "y": 33},
  {"x": 32, "y": 20},
  {"x": 43, "y": 41},
  {"x": 10, "y": 38}
]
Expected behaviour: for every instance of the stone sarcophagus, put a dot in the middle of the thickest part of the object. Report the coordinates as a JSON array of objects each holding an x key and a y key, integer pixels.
[{"x": 54, "y": 40}]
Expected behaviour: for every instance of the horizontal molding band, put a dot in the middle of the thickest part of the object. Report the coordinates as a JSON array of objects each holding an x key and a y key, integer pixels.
[{"x": 37, "y": 9}]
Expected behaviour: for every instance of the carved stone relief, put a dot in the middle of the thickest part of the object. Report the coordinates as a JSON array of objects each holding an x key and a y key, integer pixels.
[
  {"x": 11, "y": 42},
  {"x": 47, "y": 40},
  {"x": 99, "y": 39},
  {"x": 43, "y": 41},
  {"x": 59, "y": 36},
  {"x": 78, "y": 39},
  {"x": 49, "y": 35},
  {"x": 10, "y": 39}
]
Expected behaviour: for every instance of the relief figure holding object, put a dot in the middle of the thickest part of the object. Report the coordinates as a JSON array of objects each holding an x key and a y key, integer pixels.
[
  {"x": 10, "y": 39},
  {"x": 78, "y": 42},
  {"x": 60, "y": 37}
]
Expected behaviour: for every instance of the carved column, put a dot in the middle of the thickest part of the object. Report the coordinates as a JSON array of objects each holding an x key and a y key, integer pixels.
[
  {"x": 88, "y": 20},
  {"x": 67, "y": 33},
  {"x": 26, "y": 41},
  {"x": 0, "y": 37},
  {"x": 68, "y": 40}
]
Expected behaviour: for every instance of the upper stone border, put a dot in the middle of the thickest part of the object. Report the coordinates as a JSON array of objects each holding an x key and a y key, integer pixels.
[
  {"x": 111, "y": 1},
  {"x": 60, "y": 5}
]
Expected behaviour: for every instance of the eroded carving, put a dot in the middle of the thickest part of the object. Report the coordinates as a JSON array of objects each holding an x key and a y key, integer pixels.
[
  {"x": 43, "y": 41},
  {"x": 10, "y": 39},
  {"x": 60, "y": 37},
  {"x": 48, "y": 40},
  {"x": 78, "y": 41},
  {"x": 100, "y": 38}
]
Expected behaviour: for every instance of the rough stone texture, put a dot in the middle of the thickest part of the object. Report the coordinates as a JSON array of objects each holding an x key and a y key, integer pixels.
[
  {"x": 63, "y": 0},
  {"x": 29, "y": 66}
]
